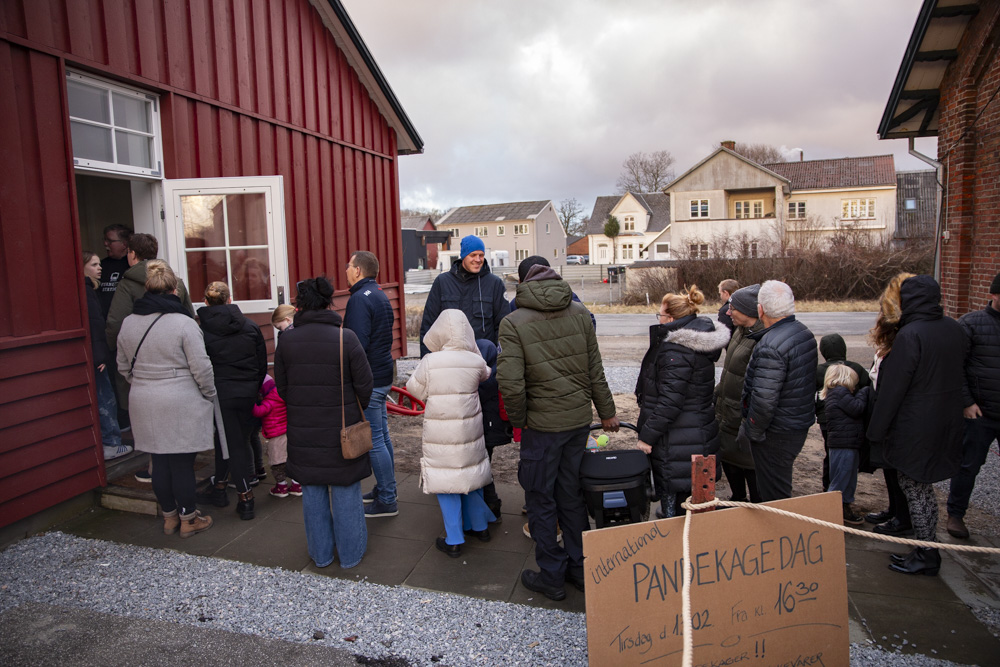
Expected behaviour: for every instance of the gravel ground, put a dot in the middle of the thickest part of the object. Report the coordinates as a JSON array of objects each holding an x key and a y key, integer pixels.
[{"x": 420, "y": 627}]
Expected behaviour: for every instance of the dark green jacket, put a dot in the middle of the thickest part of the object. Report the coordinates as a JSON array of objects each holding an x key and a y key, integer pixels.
[
  {"x": 729, "y": 391},
  {"x": 549, "y": 368},
  {"x": 130, "y": 289}
]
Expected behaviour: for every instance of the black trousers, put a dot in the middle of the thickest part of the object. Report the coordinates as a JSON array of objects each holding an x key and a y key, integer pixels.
[
  {"x": 549, "y": 473},
  {"x": 173, "y": 482},
  {"x": 237, "y": 419},
  {"x": 740, "y": 480},
  {"x": 773, "y": 460}
]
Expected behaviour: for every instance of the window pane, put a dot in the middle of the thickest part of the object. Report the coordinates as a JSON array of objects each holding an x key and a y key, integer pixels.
[
  {"x": 203, "y": 221},
  {"x": 91, "y": 142},
  {"x": 247, "y": 219},
  {"x": 251, "y": 274},
  {"x": 131, "y": 112},
  {"x": 205, "y": 267},
  {"x": 88, "y": 102},
  {"x": 133, "y": 149}
]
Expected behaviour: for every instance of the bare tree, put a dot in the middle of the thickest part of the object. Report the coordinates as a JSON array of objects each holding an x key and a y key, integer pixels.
[
  {"x": 646, "y": 172},
  {"x": 760, "y": 153},
  {"x": 569, "y": 212},
  {"x": 434, "y": 214}
]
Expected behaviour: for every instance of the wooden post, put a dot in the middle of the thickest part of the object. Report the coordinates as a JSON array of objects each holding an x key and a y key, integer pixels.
[{"x": 702, "y": 480}]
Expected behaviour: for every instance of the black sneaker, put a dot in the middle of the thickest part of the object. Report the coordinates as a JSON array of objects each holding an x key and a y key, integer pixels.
[
  {"x": 144, "y": 476},
  {"x": 533, "y": 582},
  {"x": 370, "y": 497}
]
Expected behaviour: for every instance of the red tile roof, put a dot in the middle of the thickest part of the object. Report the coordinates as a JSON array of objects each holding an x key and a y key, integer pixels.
[{"x": 847, "y": 172}]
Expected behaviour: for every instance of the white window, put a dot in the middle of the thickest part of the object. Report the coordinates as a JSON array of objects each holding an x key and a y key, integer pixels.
[
  {"x": 114, "y": 128},
  {"x": 481, "y": 231},
  {"x": 662, "y": 249},
  {"x": 455, "y": 232},
  {"x": 699, "y": 208},
  {"x": 546, "y": 228},
  {"x": 629, "y": 222},
  {"x": 857, "y": 209},
  {"x": 797, "y": 210},
  {"x": 910, "y": 204},
  {"x": 602, "y": 250},
  {"x": 750, "y": 209},
  {"x": 750, "y": 249},
  {"x": 231, "y": 230},
  {"x": 520, "y": 230},
  {"x": 626, "y": 252},
  {"x": 698, "y": 250},
  {"x": 520, "y": 254},
  {"x": 500, "y": 230}
]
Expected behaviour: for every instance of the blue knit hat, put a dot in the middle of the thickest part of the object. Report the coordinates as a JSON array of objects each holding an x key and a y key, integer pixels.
[{"x": 471, "y": 243}]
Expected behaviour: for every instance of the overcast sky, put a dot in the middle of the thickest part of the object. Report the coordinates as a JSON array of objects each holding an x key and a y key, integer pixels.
[{"x": 544, "y": 99}]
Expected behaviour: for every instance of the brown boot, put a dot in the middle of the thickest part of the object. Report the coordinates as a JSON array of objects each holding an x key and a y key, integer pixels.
[
  {"x": 171, "y": 522},
  {"x": 193, "y": 524},
  {"x": 956, "y": 527}
]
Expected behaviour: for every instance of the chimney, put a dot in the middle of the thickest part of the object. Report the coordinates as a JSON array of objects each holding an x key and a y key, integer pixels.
[
  {"x": 731, "y": 145},
  {"x": 801, "y": 153}
]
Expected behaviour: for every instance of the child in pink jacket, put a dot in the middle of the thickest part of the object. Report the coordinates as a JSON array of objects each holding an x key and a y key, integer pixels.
[{"x": 271, "y": 411}]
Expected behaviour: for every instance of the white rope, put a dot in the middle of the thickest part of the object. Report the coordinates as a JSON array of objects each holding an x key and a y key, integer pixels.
[{"x": 688, "y": 571}]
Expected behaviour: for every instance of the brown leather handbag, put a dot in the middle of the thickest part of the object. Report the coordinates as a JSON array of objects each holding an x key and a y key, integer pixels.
[{"x": 356, "y": 439}]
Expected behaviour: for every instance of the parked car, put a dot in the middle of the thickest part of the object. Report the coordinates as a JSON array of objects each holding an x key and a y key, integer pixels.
[{"x": 576, "y": 259}]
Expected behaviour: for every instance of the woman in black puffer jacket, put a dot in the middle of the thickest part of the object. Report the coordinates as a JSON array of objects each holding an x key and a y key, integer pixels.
[
  {"x": 239, "y": 361},
  {"x": 675, "y": 393}
]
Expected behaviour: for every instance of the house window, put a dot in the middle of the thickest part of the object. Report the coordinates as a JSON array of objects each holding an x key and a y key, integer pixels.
[
  {"x": 750, "y": 209},
  {"x": 910, "y": 204},
  {"x": 699, "y": 208},
  {"x": 113, "y": 128},
  {"x": 546, "y": 228},
  {"x": 627, "y": 251},
  {"x": 455, "y": 232},
  {"x": 520, "y": 230},
  {"x": 698, "y": 250},
  {"x": 797, "y": 210},
  {"x": 500, "y": 230},
  {"x": 520, "y": 254},
  {"x": 555, "y": 252},
  {"x": 629, "y": 221},
  {"x": 662, "y": 249},
  {"x": 481, "y": 231},
  {"x": 602, "y": 250},
  {"x": 857, "y": 209},
  {"x": 750, "y": 249}
]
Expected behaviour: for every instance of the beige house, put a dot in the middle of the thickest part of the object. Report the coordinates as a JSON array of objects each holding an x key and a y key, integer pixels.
[
  {"x": 641, "y": 218},
  {"x": 511, "y": 232}
]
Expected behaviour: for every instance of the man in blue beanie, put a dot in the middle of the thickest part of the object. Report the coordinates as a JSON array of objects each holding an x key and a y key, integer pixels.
[{"x": 471, "y": 288}]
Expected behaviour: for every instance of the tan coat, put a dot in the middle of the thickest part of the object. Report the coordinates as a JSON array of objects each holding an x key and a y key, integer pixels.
[{"x": 454, "y": 453}]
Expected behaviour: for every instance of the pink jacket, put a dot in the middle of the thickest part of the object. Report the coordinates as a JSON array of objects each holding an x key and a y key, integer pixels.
[{"x": 271, "y": 411}]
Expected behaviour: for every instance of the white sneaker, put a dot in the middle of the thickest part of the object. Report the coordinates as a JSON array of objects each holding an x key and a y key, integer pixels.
[{"x": 111, "y": 453}]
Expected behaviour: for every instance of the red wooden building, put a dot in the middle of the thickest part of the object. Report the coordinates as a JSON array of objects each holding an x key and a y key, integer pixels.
[{"x": 256, "y": 139}]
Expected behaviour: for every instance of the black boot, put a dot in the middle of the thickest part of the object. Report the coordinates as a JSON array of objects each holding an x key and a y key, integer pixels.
[
  {"x": 214, "y": 495},
  {"x": 245, "y": 506},
  {"x": 922, "y": 560}
]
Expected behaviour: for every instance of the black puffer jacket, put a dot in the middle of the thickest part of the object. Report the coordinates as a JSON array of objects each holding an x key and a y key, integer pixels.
[
  {"x": 779, "y": 389},
  {"x": 675, "y": 392},
  {"x": 918, "y": 407},
  {"x": 982, "y": 363},
  {"x": 834, "y": 351},
  {"x": 98, "y": 345},
  {"x": 496, "y": 431},
  {"x": 481, "y": 296},
  {"x": 307, "y": 375},
  {"x": 236, "y": 348},
  {"x": 845, "y": 413}
]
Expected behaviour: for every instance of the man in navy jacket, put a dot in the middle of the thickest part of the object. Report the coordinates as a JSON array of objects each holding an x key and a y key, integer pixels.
[{"x": 369, "y": 316}]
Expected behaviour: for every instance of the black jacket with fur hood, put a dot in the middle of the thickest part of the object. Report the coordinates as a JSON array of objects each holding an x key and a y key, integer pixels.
[{"x": 675, "y": 392}]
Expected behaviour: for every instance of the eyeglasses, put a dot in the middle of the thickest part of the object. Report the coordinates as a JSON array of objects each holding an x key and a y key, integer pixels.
[
  {"x": 658, "y": 315},
  {"x": 109, "y": 241}
]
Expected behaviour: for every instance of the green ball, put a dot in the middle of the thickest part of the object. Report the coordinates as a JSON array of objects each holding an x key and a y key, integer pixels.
[{"x": 602, "y": 440}]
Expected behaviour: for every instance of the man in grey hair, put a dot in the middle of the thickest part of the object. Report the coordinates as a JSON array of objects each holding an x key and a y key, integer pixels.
[{"x": 778, "y": 391}]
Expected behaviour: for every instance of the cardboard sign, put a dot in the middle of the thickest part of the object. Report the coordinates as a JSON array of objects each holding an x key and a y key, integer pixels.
[{"x": 765, "y": 590}]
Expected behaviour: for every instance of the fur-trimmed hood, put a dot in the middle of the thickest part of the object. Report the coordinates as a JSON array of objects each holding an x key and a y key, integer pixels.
[{"x": 700, "y": 334}]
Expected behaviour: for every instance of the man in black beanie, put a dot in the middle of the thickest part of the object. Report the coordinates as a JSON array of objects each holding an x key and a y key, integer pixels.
[
  {"x": 522, "y": 272},
  {"x": 981, "y": 396}
]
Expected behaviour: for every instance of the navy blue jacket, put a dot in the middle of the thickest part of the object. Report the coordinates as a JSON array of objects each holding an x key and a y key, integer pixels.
[
  {"x": 496, "y": 431},
  {"x": 369, "y": 316},
  {"x": 481, "y": 296},
  {"x": 845, "y": 417}
]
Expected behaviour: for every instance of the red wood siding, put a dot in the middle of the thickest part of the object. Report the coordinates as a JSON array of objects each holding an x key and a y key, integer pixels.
[{"x": 247, "y": 87}]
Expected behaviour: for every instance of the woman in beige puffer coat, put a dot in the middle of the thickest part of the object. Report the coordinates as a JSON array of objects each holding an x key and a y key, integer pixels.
[{"x": 454, "y": 464}]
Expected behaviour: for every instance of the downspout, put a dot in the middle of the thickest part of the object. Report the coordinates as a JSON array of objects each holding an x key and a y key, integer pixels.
[{"x": 939, "y": 232}]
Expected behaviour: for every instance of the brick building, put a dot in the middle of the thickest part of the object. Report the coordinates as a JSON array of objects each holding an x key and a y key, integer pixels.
[{"x": 947, "y": 86}]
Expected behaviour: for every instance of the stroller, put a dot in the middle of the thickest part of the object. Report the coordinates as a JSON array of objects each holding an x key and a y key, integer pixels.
[{"x": 617, "y": 484}]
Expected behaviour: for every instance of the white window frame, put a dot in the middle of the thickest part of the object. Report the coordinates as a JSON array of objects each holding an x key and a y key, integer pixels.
[
  {"x": 861, "y": 208},
  {"x": 662, "y": 249},
  {"x": 521, "y": 230},
  {"x": 698, "y": 250},
  {"x": 909, "y": 204},
  {"x": 546, "y": 228},
  {"x": 481, "y": 231},
  {"x": 273, "y": 190},
  {"x": 520, "y": 254},
  {"x": 455, "y": 231},
  {"x": 500, "y": 230},
  {"x": 155, "y": 171},
  {"x": 700, "y": 208},
  {"x": 627, "y": 251},
  {"x": 744, "y": 209},
  {"x": 796, "y": 210},
  {"x": 628, "y": 223}
]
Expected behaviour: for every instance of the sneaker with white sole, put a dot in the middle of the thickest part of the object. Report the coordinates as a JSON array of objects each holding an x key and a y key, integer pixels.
[
  {"x": 143, "y": 476},
  {"x": 111, "y": 453},
  {"x": 279, "y": 490},
  {"x": 377, "y": 509},
  {"x": 370, "y": 497},
  {"x": 294, "y": 489}
]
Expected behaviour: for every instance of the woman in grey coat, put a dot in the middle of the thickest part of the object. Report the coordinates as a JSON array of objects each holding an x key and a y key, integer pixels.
[{"x": 171, "y": 400}]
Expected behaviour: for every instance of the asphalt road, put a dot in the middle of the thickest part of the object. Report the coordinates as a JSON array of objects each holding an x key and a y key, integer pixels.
[{"x": 846, "y": 324}]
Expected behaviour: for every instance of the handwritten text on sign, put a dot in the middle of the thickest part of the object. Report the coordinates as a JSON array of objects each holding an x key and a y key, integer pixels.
[{"x": 765, "y": 589}]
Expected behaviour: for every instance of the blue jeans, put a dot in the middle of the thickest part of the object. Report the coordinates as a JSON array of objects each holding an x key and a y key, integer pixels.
[
  {"x": 381, "y": 455},
  {"x": 463, "y": 511},
  {"x": 334, "y": 516},
  {"x": 844, "y": 472},
  {"x": 107, "y": 407},
  {"x": 979, "y": 435}
]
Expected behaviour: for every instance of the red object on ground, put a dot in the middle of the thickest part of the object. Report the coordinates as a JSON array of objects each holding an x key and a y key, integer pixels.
[
  {"x": 702, "y": 480},
  {"x": 398, "y": 407}
]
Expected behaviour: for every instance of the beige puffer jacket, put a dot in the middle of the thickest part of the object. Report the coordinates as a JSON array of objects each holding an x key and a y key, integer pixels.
[{"x": 454, "y": 454}]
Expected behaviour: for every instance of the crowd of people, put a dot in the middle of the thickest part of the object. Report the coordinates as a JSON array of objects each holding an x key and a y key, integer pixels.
[{"x": 529, "y": 370}]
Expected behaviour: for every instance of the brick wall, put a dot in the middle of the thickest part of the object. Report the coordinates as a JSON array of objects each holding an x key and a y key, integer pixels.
[{"x": 969, "y": 147}]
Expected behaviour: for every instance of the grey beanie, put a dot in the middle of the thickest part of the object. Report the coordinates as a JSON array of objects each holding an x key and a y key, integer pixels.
[{"x": 745, "y": 300}]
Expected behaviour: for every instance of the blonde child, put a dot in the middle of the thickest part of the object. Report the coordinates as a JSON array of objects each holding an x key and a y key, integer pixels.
[
  {"x": 270, "y": 409},
  {"x": 845, "y": 411},
  {"x": 282, "y": 317},
  {"x": 454, "y": 464}
]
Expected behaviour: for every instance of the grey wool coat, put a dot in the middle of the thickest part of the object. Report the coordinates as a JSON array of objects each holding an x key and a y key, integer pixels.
[{"x": 172, "y": 399}]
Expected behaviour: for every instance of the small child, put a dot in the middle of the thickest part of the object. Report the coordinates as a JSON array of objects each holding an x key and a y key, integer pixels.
[
  {"x": 845, "y": 411},
  {"x": 271, "y": 411},
  {"x": 454, "y": 464},
  {"x": 281, "y": 319}
]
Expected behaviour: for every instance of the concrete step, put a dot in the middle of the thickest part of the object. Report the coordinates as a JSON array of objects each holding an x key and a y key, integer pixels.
[{"x": 126, "y": 494}]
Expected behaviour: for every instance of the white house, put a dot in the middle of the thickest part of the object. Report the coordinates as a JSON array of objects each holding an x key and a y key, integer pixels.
[{"x": 511, "y": 232}]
